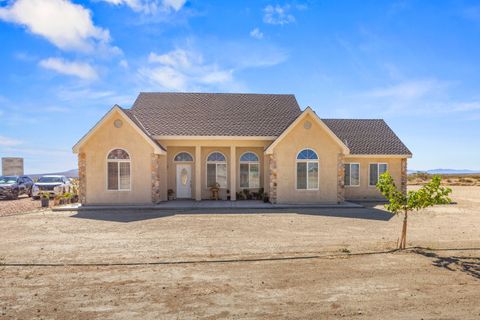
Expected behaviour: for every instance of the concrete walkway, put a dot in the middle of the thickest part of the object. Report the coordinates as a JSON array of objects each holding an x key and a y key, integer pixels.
[{"x": 205, "y": 204}]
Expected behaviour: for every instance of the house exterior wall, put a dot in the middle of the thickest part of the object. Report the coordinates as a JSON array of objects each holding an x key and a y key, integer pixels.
[
  {"x": 365, "y": 191},
  {"x": 106, "y": 138},
  {"x": 285, "y": 153}
]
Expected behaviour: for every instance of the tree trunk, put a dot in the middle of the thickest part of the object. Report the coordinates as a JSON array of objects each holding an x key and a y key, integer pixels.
[{"x": 403, "y": 238}]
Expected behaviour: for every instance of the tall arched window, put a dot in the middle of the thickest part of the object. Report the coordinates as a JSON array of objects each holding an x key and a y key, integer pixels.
[
  {"x": 118, "y": 170},
  {"x": 216, "y": 170},
  {"x": 249, "y": 171},
  {"x": 307, "y": 170},
  {"x": 183, "y": 157}
]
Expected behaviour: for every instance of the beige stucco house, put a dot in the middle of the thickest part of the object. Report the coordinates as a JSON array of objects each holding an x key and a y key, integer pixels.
[{"x": 183, "y": 144}]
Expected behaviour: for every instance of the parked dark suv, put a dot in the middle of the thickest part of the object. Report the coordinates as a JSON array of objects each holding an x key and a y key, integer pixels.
[{"x": 13, "y": 186}]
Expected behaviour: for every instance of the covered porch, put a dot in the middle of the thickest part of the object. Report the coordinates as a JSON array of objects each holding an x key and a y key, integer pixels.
[{"x": 193, "y": 167}]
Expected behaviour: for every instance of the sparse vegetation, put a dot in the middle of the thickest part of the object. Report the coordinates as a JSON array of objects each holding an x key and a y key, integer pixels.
[{"x": 421, "y": 178}]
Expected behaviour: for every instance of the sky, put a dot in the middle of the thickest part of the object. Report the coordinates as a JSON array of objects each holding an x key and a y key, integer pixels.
[{"x": 416, "y": 64}]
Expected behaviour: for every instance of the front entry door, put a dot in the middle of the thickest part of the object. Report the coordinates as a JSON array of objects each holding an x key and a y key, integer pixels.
[{"x": 184, "y": 181}]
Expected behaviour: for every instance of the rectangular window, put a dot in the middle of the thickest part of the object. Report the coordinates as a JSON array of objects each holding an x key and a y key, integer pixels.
[
  {"x": 249, "y": 175},
  {"x": 352, "y": 174},
  {"x": 302, "y": 175},
  {"x": 244, "y": 175},
  {"x": 312, "y": 175},
  {"x": 113, "y": 176},
  {"x": 124, "y": 176},
  {"x": 118, "y": 175},
  {"x": 254, "y": 175},
  {"x": 307, "y": 175},
  {"x": 377, "y": 169},
  {"x": 217, "y": 173}
]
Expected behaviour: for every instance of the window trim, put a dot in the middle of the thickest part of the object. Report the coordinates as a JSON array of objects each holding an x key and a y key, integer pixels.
[
  {"x": 369, "y": 178},
  {"x": 307, "y": 161},
  {"x": 359, "y": 175},
  {"x": 216, "y": 163},
  {"x": 118, "y": 173},
  {"x": 175, "y": 161},
  {"x": 249, "y": 163}
]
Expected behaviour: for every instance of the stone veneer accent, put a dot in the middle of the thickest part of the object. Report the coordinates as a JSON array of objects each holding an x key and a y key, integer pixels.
[
  {"x": 82, "y": 175},
  {"x": 341, "y": 178},
  {"x": 273, "y": 179},
  {"x": 155, "y": 169},
  {"x": 404, "y": 176}
]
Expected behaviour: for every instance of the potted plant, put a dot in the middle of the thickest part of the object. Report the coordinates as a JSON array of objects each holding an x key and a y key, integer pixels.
[
  {"x": 265, "y": 198},
  {"x": 45, "y": 199},
  {"x": 58, "y": 199},
  {"x": 67, "y": 198},
  {"x": 171, "y": 194},
  {"x": 214, "y": 189}
]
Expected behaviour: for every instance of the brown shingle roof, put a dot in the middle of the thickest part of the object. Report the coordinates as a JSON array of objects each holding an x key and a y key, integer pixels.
[
  {"x": 240, "y": 114},
  {"x": 215, "y": 114},
  {"x": 367, "y": 136}
]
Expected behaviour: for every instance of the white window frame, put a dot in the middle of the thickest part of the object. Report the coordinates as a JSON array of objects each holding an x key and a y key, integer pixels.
[
  {"x": 378, "y": 172},
  {"x": 359, "y": 175},
  {"x": 317, "y": 161},
  {"x": 176, "y": 161},
  {"x": 216, "y": 170},
  {"x": 118, "y": 171},
  {"x": 249, "y": 163}
]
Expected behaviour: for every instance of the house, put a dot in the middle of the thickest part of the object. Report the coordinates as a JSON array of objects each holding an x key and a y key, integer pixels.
[{"x": 189, "y": 142}]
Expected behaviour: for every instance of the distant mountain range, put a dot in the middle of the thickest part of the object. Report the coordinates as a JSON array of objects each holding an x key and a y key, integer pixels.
[
  {"x": 69, "y": 174},
  {"x": 446, "y": 171}
]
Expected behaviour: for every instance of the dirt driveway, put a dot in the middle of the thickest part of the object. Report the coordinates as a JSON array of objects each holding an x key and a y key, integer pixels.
[{"x": 216, "y": 265}]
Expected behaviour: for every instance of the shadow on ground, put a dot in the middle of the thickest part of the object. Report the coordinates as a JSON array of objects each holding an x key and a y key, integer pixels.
[
  {"x": 468, "y": 265},
  {"x": 132, "y": 215}
]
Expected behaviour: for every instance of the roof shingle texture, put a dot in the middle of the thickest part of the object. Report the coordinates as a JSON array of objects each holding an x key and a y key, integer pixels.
[
  {"x": 226, "y": 114},
  {"x": 213, "y": 114},
  {"x": 367, "y": 136}
]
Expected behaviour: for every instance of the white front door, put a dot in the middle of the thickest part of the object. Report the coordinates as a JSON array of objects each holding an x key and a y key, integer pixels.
[{"x": 184, "y": 181}]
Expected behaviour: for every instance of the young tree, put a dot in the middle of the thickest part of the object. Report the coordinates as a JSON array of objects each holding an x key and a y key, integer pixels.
[{"x": 429, "y": 195}]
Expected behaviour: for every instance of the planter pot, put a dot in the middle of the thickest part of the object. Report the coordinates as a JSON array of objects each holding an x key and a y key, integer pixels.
[{"x": 45, "y": 202}]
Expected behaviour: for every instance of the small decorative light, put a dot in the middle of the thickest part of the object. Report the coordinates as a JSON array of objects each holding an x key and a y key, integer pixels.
[
  {"x": 307, "y": 125},
  {"x": 118, "y": 123}
]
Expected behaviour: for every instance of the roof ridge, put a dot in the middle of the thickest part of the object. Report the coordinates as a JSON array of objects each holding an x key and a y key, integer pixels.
[
  {"x": 355, "y": 119},
  {"x": 220, "y": 93}
]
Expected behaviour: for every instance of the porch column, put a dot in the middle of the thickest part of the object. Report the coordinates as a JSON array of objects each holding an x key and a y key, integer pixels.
[
  {"x": 198, "y": 173},
  {"x": 233, "y": 173}
]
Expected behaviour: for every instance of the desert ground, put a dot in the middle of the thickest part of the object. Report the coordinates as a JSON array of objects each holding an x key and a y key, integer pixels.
[{"x": 282, "y": 264}]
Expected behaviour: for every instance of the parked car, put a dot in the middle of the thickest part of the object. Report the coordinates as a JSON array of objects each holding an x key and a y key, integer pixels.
[
  {"x": 53, "y": 184},
  {"x": 13, "y": 186}
]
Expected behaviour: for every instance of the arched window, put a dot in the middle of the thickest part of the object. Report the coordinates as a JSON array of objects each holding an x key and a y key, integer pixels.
[
  {"x": 183, "y": 157},
  {"x": 118, "y": 170},
  {"x": 307, "y": 170},
  {"x": 249, "y": 171},
  {"x": 216, "y": 170}
]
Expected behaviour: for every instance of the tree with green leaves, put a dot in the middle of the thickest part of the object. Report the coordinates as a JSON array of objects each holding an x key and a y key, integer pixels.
[{"x": 429, "y": 195}]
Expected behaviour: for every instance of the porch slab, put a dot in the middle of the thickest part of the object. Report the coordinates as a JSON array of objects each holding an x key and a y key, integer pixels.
[{"x": 207, "y": 204}]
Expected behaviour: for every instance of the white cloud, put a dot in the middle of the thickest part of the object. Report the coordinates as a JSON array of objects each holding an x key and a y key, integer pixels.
[
  {"x": 183, "y": 70},
  {"x": 78, "y": 69},
  {"x": 278, "y": 14},
  {"x": 123, "y": 63},
  {"x": 9, "y": 142},
  {"x": 407, "y": 90},
  {"x": 256, "y": 33},
  {"x": 67, "y": 25},
  {"x": 150, "y": 6}
]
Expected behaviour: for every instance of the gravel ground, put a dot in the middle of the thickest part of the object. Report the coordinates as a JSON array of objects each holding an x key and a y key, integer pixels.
[
  {"x": 23, "y": 204},
  {"x": 301, "y": 264}
]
